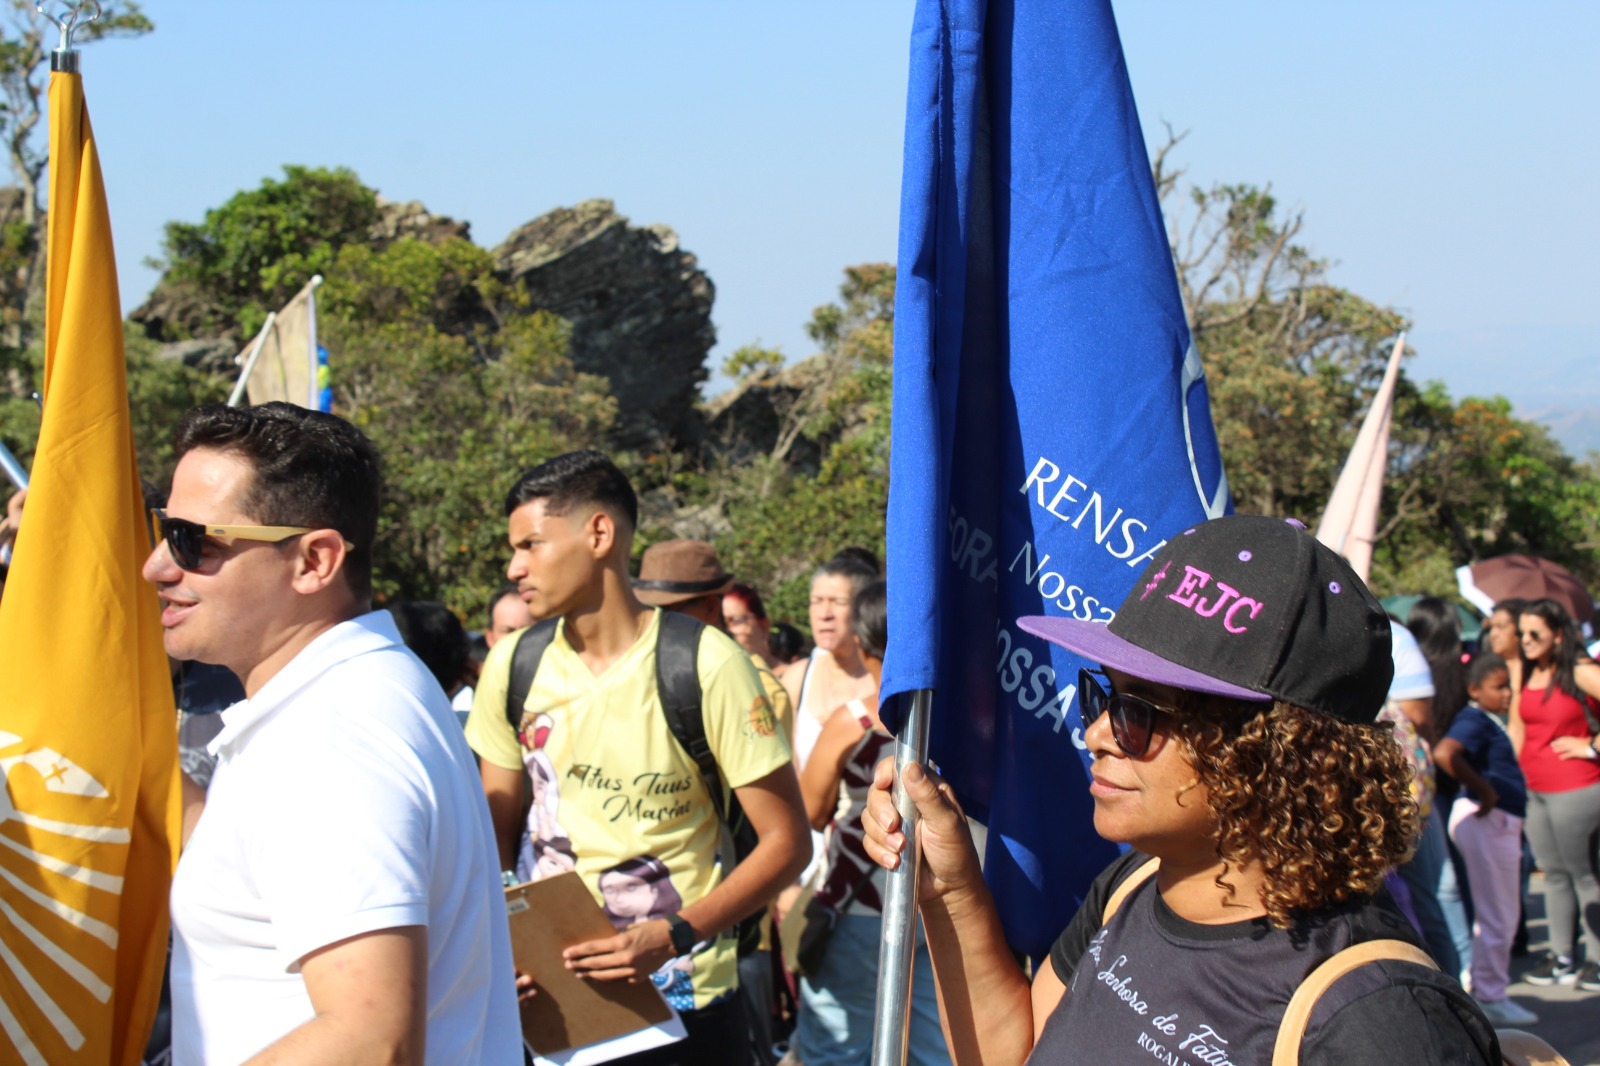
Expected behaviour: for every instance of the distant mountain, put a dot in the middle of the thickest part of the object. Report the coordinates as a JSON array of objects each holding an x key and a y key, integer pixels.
[{"x": 1577, "y": 428}]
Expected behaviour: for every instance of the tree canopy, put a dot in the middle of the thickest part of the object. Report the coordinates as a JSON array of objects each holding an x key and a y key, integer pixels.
[{"x": 462, "y": 384}]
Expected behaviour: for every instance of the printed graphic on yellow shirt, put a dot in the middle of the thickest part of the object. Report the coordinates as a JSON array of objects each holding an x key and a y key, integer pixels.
[
  {"x": 641, "y": 890},
  {"x": 546, "y": 848},
  {"x": 760, "y": 720}
]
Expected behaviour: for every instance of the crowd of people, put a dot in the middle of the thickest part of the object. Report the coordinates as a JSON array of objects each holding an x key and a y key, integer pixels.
[
  {"x": 1507, "y": 779},
  {"x": 1288, "y": 791}
]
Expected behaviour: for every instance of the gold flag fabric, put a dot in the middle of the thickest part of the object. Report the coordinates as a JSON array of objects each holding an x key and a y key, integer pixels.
[
  {"x": 286, "y": 366},
  {"x": 88, "y": 740}
]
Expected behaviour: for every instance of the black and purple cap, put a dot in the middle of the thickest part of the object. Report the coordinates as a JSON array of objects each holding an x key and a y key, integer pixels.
[{"x": 1249, "y": 607}]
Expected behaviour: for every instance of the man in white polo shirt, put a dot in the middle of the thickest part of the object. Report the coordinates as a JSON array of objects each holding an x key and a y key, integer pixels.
[{"x": 337, "y": 898}]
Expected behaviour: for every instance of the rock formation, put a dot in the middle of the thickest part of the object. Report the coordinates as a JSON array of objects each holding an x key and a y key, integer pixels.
[{"x": 639, "y": 306}]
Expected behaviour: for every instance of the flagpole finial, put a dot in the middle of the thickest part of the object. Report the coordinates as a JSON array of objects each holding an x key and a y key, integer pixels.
[{"x": 65, "y": 58}]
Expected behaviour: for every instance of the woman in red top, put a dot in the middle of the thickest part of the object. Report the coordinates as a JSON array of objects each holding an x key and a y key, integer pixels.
[{"x": 1551, "y": 729}]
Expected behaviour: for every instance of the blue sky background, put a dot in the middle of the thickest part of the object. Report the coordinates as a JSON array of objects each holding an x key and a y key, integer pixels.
[{"x": 1444, "y": 154}]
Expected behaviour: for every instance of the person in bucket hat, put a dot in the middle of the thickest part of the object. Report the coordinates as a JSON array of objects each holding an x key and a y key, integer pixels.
[
  {"x": 675, "y": 572},
  {"x": 1231, "y": 725}
]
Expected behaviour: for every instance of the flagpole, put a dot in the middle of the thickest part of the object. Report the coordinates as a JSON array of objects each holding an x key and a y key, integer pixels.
[
  {"x": 64, "y": 60},
  {"x": 14, "y": 469},
  {"x": 250, "y": 363},
  {"x": 313, "y": 401},
  {"x": 898, "y": 948}
]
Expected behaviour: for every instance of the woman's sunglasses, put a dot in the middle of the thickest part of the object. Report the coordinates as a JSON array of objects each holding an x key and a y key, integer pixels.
[
  {"x": 1135, "y": 722},
  {"x": 185, "y": 538}
]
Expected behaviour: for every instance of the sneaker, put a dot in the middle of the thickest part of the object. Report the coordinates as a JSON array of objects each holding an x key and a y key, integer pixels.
[
  {"x": 1589, "y": 977},
  {"x": 1507, "y": 1012},
  {"x": 1554, "y": 970}
]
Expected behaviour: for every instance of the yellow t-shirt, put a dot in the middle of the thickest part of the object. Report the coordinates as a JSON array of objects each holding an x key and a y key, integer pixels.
[
  {"x": 616, "y": 797},
  {"x": 778, "y": 696}
]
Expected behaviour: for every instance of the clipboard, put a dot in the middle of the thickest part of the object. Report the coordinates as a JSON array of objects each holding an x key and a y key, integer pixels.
[{"x": 548, "y": 916}]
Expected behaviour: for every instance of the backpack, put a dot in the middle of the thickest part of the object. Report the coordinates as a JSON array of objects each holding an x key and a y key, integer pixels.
[
  {"x": 1517, "y": 1048},
  {"x": 678, "y": 685}
]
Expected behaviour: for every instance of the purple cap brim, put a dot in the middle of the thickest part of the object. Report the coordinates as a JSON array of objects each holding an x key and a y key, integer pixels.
[{"x": 1095, "y": 641}]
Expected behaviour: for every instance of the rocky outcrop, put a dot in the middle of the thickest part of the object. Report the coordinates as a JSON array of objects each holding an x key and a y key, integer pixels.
[
  {"x": 758, "y": 416},
  {"x": 411, "y": 219},
  {"x": 639, "y": 307},
  {"x": 214, "y": 356},
  {"x": 175, "y": 309}
]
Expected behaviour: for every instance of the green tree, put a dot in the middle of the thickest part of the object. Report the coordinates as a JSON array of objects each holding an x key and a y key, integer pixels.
[
  {"x": 1291, "y": 360},
  {"x": 1292, "y": 364},
  {"x": 784, "y": 521},
  {"x": 456, "y": 416},
  {"x": 252, "y": 254}
]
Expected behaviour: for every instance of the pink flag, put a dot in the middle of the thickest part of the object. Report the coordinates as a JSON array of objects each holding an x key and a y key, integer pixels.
[{"x": 1350, "y": 523}]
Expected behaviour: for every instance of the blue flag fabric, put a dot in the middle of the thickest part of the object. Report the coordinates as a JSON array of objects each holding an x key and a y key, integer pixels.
[{"x": 1051, "y": 426}]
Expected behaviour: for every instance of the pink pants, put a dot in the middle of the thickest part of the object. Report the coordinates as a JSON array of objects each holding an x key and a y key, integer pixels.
[{"x": 1491, "y": 848}]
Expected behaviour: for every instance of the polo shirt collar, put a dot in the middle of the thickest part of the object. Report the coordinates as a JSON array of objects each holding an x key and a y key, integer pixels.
[{"x": 372, "y": 631}]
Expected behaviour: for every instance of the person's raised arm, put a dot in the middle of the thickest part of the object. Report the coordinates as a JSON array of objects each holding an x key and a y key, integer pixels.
[
  {"x": 370, "y": 998},
  {"x": 773, "y": 806},
  {"x": 989, "y": 1013},
  {"x": 819, "y": 782},
  {"x": 1587, "y": 674}
]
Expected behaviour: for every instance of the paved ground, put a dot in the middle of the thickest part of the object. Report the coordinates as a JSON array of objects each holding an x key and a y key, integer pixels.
[{"x": 1568, "y": 1019}]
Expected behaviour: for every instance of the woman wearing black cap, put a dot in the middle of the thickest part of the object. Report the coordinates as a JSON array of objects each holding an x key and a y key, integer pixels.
[{"x": 1233, "y": 743}]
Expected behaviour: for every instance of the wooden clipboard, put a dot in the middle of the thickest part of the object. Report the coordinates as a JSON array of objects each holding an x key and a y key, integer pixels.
[{"x": 552, "y": 914}]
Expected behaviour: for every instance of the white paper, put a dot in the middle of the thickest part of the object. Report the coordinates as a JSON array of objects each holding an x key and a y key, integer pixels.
[{"x": 659, "y": 1035}]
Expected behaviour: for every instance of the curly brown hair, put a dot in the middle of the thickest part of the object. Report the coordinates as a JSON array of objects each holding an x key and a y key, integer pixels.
[{"x": 1324, "y": 806}]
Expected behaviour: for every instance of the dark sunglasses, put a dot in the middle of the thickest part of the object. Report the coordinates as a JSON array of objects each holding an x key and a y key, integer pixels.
[
  {"x": 1134, "y": 721},
  {"x": 184, "y": 538}
]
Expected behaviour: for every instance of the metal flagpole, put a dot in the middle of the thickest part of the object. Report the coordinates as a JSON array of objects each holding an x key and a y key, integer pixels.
[
  {"x": 313, "y": 401},
  {"x": 900, "y": 902},
  {"x": 14, "y": 469},
  {"x": 250, "y": 363},
  {"x": 64, "y": 60}
]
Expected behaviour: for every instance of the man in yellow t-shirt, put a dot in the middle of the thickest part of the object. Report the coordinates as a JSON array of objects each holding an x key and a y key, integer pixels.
[{"x": 615, "y": 797}]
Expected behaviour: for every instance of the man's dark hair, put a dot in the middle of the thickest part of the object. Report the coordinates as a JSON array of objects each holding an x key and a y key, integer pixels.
[
  {"x": 869, "y": 618},
  {"x": 573, "y": 480},
  {"x": 864, "y": 556},
  {"x": 1437, "y": 627},
  {"x": 507, "y": 589},
  {"x": 787, "y": 643},
  {"x": 434, "y": 633},
  {"x": 1483, "y": 664},
  {"x": 311, "y": 469}
]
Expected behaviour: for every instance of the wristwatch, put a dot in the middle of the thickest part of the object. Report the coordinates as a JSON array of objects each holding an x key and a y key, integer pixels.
[{"x": 683, "y": 935}]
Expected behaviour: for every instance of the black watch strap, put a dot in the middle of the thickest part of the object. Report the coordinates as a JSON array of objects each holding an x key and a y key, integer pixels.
[{"x": 683, "y": 935}]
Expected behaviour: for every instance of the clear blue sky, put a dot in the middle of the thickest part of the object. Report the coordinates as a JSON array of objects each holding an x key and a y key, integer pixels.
[{"x": 1444, "y": 154}]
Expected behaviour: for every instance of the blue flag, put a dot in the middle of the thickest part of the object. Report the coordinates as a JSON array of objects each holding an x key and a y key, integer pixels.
[{"x": 1051, "y": 426}]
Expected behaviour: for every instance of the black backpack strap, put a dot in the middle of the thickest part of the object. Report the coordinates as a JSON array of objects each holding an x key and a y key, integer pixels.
[
  {"x": 531, "y": 644},
  {"x": 678, "y": 683}
]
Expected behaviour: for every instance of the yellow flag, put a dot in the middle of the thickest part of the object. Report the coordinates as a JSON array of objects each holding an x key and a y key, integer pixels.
[{"x": 88, "y": 744}]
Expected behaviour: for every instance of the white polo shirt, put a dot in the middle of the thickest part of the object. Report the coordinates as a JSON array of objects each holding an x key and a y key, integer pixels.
[{"x": 345, "y": 801}]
